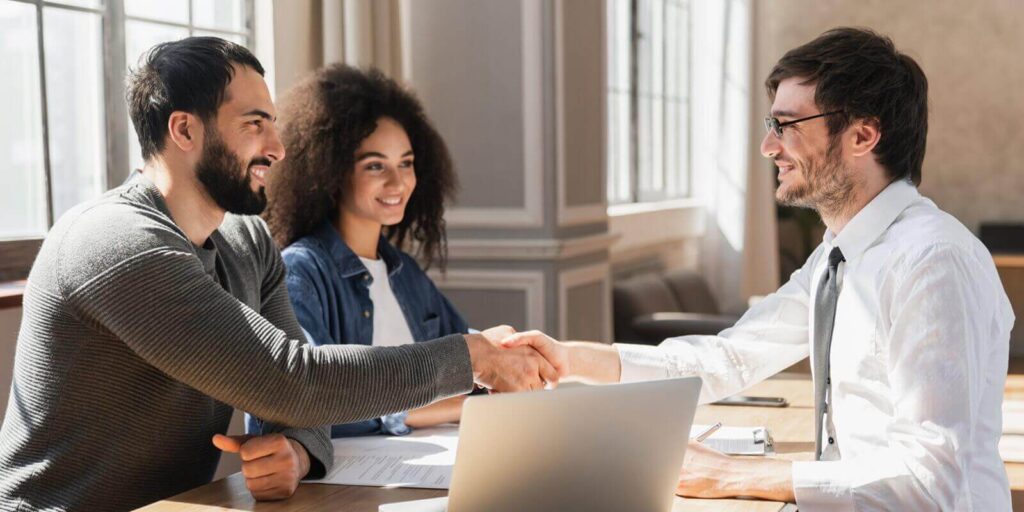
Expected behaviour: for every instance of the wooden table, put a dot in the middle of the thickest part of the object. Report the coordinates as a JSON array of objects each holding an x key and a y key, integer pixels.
[
  {"x": 792, "y": 429},
  {"x": 1008, "y": 260}
]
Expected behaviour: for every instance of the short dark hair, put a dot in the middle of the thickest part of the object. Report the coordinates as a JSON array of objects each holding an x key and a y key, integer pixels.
[
  {"x": 324, "y": 119},
  {"x": 860, "y": 73},
  {"x": 189, "y": 75}
]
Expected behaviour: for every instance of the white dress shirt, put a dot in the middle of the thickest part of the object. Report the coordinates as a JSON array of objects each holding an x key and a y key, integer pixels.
[{"x": 918, "y": 362}]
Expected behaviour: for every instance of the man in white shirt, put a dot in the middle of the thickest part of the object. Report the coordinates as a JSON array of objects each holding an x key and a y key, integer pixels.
[{"x": 900, "y": 308}]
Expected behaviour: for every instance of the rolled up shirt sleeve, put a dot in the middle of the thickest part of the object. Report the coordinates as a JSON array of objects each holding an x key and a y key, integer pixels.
[{"x": 771, "y": 336}]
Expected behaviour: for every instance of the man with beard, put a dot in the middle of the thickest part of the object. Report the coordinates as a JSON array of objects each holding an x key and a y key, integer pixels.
[
  {"x": 900, "y": 308},
  {"x": 156, "y": 309}
]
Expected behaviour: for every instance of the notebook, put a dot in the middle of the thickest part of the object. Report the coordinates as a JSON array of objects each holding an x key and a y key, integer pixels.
[{"x": 737, "y": 440}]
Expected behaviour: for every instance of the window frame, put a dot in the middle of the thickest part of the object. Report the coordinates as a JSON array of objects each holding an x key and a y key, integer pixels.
[
  {"x": 635, "y": 95},
  {"x": 20, "y": 253}
]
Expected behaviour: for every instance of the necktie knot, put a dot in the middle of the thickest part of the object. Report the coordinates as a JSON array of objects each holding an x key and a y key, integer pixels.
[{"x": 834, "y": 258}]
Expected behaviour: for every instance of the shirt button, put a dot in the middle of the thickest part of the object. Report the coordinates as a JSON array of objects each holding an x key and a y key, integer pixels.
[
  {"x": 831, "y": 441},
  {"x": 366, "y": 277},
  {"x": 366, "y": 314}
]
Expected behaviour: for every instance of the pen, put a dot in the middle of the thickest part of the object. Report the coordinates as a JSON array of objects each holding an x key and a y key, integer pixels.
[{"x": 707, "y": 433}]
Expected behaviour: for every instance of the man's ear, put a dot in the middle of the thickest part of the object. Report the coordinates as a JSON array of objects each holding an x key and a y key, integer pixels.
[
  {"x": 184, "y": 129},
  {"x": 865, "y": 134}
]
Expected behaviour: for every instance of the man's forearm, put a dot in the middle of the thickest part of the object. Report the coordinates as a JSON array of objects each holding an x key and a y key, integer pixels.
[
  {"x": 768, "y": 478},
  {"x": 445, "y": 411},
  {"x": 708, "y": 473},
  {"x": 593, "y": 362}
]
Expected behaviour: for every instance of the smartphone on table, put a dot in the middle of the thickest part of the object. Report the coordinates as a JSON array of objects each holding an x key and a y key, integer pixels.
[{"x": 755, "y": 401}]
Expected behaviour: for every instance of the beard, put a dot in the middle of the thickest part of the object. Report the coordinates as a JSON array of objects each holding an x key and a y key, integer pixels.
[
  {"x": 827, "y": 187},
  {"x": 218, "y": 170}
]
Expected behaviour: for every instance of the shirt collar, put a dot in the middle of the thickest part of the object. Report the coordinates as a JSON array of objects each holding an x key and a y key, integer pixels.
[
  {"x": 874, "y": 219},
  {"x": 347, "y": 260}
]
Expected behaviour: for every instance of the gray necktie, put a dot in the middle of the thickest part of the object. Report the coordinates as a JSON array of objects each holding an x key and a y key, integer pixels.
[{"x": 824, "y": 320}]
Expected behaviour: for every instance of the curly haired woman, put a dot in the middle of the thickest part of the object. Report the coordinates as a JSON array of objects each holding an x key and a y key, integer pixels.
[{"x": 366, "y": 175}]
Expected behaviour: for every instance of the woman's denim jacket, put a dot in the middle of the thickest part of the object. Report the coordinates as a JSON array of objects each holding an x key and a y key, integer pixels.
[{"x": 329, "y": 289}]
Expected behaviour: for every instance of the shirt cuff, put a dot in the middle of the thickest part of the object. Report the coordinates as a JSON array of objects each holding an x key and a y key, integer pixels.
[
  {"x": 454, "y": 371},
  {"x": 394, "y": 424},
  {"x": 641, "y": 362},
  {"x": 822, "y": 485},
  {"x": 317, "y": 442}
]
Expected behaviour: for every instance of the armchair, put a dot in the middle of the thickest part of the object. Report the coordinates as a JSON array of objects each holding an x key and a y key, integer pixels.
[{"x": 652, "y": 307}]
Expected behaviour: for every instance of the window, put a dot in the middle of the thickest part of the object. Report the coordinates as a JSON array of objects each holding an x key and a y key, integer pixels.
[
  {"x": 66, "y": 133},
  {"x": 648, "y": 94}
]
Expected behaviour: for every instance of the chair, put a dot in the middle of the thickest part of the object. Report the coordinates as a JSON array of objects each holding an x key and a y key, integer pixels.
[{"x": 652, "y": 307}]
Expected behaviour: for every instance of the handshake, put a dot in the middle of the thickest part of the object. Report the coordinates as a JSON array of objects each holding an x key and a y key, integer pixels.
[{"x": 506, "y": 361}]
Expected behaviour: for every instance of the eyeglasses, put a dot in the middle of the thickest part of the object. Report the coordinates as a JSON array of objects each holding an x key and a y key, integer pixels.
[{"x": 773, "y": 125}]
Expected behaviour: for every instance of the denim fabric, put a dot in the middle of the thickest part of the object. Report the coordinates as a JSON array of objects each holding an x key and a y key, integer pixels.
[{"x": 330, "y": 291}]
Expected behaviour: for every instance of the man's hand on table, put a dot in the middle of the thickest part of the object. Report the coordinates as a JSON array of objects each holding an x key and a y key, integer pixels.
[
  {"x": 272, "y": 464},
  {"x": 708, "y": 473}
]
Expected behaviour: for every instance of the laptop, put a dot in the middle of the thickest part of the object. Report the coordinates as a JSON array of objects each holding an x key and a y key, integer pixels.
[{"x": 603, "y": 448}]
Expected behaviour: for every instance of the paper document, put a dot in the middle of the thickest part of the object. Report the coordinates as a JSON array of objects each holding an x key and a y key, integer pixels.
[
  {"x": 422, "y": 459},
  {"x": 425, "y": 458},
  {"x": 737, "y": 440}
]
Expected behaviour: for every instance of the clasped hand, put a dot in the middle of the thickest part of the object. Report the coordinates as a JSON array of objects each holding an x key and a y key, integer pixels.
[{"x": 506, "y": 361}]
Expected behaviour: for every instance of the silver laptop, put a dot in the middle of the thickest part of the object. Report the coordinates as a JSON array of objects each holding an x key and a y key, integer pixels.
[{"x": 597, "y": 448}]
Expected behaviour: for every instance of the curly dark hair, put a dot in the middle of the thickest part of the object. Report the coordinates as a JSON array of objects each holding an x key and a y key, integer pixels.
[{"x": 323, "y": 120}]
